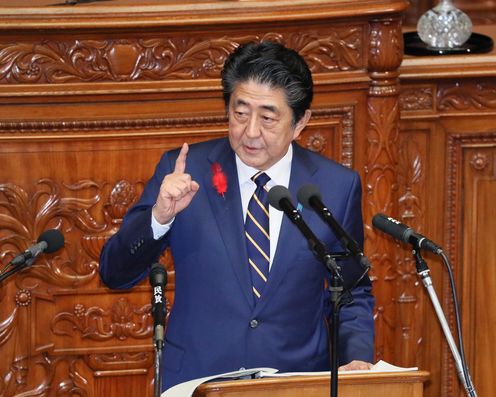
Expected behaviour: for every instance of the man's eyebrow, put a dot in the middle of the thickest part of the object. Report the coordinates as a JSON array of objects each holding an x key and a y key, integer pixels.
[
  {"x": 240, "y": 102},
  {"x": 270, "y": 108}
]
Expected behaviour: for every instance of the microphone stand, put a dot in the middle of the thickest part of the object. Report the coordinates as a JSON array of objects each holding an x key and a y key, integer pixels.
[
  {"x": 336, "y": 290},
  {"x": 424, "y": 273},
  {"x": 157, "y": 384},
  {"x": 158, "y": 342},
  {"x": 337, "y": 295}
]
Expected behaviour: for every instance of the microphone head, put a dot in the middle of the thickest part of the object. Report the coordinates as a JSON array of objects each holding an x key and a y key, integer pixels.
[
  {"x": 158, "y": 275},
  {"x": 391, "y": 226},
  {"x": 276, "y": 194},
  {"x": 379, "y": 220},
  {"x": 54, "y": 240},
  {"x": 306, "y": 192}
]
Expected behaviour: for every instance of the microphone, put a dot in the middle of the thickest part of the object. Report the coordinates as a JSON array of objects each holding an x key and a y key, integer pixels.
[
  {"x": 404, "y": 233},
  {"x": 309, "y": 196},
  {"x": 158, "y": 281},
  {"x": 49, "y": 241},
  {"x": 280, "y": 199}
]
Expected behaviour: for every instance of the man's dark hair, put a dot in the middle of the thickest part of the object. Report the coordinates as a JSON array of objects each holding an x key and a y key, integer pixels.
[{"x": 273, "y": 64}]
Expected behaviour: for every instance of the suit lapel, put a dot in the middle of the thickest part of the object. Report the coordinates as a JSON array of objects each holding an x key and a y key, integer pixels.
[
  {"x": 302, "y": 169},
  {"x": 229, "y": 215}
]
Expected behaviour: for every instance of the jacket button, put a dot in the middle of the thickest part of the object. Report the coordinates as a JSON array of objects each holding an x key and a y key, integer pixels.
[{"x": 253, "y": 323}]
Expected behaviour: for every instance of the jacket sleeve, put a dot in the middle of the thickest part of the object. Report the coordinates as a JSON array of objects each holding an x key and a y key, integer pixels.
[
  {"x": 128, "y": 255},
  {"x": 356, "y": 330}
]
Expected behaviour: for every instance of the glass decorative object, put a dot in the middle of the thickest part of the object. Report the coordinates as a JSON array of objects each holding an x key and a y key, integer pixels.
[{"x": 444, "y": 26}]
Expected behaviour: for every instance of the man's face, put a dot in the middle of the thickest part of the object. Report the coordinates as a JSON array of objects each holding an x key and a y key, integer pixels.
[{"x": 260, "y": 124}]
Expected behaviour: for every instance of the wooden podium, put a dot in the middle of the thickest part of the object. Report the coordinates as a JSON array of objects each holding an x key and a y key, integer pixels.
[{"x": 379, "y": 384}]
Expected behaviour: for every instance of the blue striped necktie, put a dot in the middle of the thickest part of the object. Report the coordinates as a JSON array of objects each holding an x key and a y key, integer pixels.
[{"x": 257, "y": 234}]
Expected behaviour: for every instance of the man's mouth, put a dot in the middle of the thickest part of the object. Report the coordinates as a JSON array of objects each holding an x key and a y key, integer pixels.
[{"x": 251, "y": 148}]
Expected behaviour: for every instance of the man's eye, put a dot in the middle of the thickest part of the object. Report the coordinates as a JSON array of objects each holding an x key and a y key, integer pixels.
[{"x": 267, "y": 119}]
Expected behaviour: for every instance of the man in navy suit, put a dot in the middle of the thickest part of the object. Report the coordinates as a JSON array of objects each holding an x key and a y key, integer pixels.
[{"x": 216, "y": 324}]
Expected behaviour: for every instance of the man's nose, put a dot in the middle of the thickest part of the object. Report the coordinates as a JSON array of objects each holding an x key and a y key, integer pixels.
[{"x": 253, "y": 127}]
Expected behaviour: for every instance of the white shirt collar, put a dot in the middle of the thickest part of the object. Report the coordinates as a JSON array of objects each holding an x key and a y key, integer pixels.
[{"x": 279, "y": 173}]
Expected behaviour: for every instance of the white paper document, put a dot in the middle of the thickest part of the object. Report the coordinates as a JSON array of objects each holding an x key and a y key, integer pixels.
[
  {"x": 186, "y": 389},
  {"x": 382, "y": 366}
]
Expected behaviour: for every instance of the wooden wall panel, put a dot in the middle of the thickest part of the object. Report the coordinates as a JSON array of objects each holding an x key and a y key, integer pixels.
[
  {"x": 449, "y": 115},
  {"x": 476, "y": 279},
  {"x": 472, "y": 162}
]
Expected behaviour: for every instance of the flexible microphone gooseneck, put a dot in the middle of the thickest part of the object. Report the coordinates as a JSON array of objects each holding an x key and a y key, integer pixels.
[
  {"x": 280, "y": 199},
  {"x": 309, "y": 196}
]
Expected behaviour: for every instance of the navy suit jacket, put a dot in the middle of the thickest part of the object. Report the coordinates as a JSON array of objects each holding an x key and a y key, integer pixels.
[{"x": 215, "y": 325}]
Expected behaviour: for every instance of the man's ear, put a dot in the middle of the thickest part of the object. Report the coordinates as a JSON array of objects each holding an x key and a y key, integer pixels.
[{"x": 302, "y": 123}]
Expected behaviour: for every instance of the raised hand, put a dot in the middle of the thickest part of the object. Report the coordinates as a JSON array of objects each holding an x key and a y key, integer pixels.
[{"x": 176, "y": 192}]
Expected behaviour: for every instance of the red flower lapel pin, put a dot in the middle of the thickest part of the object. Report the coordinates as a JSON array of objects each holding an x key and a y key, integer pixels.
[{"x": 219, "y": 179}]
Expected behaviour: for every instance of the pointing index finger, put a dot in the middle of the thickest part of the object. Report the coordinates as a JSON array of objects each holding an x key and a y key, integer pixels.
[{"x": 181, "y": 159}]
